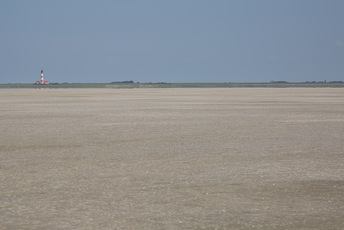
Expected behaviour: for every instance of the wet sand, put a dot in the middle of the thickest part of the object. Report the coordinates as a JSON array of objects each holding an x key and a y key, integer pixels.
[{"x": 172, "y": 158}]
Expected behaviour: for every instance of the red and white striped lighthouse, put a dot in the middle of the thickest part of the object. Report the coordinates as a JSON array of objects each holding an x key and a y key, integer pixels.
[
  {"x": 42, "y": 82},
  {"x": 42, "y": 79}
]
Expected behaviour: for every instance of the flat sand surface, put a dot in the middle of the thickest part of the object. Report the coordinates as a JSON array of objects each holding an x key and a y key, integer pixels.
[{"x": 228, "y": 158}]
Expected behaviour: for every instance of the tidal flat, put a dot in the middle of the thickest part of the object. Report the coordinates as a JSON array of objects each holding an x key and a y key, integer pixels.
[{"x": 203, "y": 158}]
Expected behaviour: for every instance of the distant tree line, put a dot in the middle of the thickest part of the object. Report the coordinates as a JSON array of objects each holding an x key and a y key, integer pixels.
[
  {"x": 279, "y": 82},
  {"x": 122, "y": 82}
]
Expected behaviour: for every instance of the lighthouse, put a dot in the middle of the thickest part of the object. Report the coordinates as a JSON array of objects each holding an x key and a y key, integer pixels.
[{"x": 42, "y": 79}]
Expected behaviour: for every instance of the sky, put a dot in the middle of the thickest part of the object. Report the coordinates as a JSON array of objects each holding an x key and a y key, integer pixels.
[{"x": 171, "y": 41}]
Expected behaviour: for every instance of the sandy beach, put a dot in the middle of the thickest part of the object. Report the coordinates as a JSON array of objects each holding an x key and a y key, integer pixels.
[{"x": 243, "y": 158}]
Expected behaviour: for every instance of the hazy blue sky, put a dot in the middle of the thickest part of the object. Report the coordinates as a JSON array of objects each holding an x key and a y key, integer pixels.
[{"x": 171, "y": 40}]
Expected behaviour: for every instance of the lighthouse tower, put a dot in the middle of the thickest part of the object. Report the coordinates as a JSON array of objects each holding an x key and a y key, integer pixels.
[{"x": 42, "y": 80}]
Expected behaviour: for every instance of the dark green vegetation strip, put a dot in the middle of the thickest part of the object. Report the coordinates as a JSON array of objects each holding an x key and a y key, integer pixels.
[{"x": 174, "y": 85}]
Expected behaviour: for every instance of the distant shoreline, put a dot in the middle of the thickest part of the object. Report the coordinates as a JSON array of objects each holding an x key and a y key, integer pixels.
[{"x": 174, "y": 85}]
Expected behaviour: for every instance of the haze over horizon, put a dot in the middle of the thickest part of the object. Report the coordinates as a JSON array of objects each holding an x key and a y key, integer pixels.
[{"x": 171, "y": 41}]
